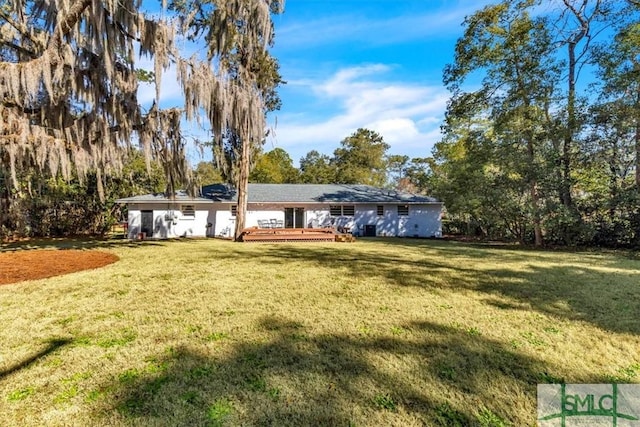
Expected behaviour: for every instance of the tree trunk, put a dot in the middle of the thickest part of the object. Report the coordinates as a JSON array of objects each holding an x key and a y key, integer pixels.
[
  {"x": 565, "y": 184},
  {"x": 532, "y": 179},
  {"x": 638, "y": 156},
  {"x": 537, "y": 226},
  {"x": 637, "y": 136},
  {"x": 535, "y": 197},
  {"x": 613, "y": 180},
  {"x": 242, "y": 185}
]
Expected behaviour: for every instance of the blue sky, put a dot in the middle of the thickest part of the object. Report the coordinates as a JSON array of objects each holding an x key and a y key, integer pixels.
[
  {"x": 375, "y": 64},
  {"x": 350, "y": 64}
]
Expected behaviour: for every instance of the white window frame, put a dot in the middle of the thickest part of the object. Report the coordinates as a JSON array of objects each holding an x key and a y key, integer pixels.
[
  {"x": 351, "y": 210},
  {"x": 188, "y": 211},
  {"x": 339, "y": 210},
  {"x": 403, "y": 210}
]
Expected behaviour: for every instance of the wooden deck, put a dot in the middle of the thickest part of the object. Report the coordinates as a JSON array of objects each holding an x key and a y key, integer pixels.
[{"x": 255, "y": 234}]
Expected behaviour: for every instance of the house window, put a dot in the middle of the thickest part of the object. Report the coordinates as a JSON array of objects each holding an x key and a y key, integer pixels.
[
  {"x": 403, "y": 210},
  {"x": 234, "y": 210},
  {"x": 380, "y": 210},
  {"x": 188, "y": 210},
  {"x": 339, "y": 210}
]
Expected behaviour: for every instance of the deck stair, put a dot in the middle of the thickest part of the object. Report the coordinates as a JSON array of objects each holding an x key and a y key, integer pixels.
[
  {"x": 255, "y": 234},
  {"x": 345, "y": 237}
]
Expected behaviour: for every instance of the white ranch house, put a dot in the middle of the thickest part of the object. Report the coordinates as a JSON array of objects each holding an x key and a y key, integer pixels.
[{"x": 360, "y": 209}]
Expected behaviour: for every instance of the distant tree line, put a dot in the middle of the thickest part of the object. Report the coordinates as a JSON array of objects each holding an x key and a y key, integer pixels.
[{"x": 361, "y": 158}]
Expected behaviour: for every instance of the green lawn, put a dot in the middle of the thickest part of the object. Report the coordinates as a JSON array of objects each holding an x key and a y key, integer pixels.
[{"x": 378, "y": 332}]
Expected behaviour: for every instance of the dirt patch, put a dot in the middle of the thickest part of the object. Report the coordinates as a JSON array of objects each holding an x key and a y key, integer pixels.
[{"x": 39, "y": 264}]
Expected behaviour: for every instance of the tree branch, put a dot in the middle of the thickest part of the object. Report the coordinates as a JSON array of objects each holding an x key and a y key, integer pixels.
[
  {"x": 20, "y": 49},
  {"x": 126, "y": 33},
  {"x": 65, "y": 25},
  {"x": 22, "y": 29}
]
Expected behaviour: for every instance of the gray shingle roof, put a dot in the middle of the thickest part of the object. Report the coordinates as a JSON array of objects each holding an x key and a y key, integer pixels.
[
  {"x": 315, "y": 193},
  {"x": 181, "y": 196},
  {"x": 294, "y": 193}
]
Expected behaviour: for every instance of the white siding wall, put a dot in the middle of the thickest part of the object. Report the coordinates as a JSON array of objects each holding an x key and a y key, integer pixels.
[
  {"x": 133, "y": 220},
  {"x": 224, "y": 224},
  {"x": 319, "y": 217},
  {"x": 422, "y": 221},
  {"x": 177, "y": 226},
  {"x": 426, "y": 220},
  {"x": 263, "y": 213}
]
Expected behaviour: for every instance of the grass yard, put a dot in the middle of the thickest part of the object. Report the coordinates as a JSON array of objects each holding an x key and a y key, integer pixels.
[{"x": 378, "y": 332}]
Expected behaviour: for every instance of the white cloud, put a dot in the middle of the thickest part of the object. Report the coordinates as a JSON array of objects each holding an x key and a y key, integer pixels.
[
  {"x": 358, "y": 28},
  {"x": 397, "y": 129},
  {"x": 408, "y": 116}
]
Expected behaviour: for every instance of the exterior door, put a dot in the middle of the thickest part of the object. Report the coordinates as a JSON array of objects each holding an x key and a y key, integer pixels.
[
  {"x": 370, "y": 230},
  {"x": 146, "y": 223},
  {"x": 294, "y": 217},
  {"x": 298, "y": 215}
]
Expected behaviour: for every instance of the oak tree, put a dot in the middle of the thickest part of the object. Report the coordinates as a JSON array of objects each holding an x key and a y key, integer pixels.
[{"x": 68, "y": 83}]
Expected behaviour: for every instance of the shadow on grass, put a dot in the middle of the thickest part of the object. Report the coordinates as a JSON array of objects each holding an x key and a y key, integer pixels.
[
  {"x": 291, "y": 378},
  {"x": 83, "y": 243},
  {"x": 52, "y": 345},
  {"x": 564, "y": 288}
]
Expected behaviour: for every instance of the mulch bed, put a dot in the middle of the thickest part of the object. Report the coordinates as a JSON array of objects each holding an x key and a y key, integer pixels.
[{"x": 39, "y": 264}]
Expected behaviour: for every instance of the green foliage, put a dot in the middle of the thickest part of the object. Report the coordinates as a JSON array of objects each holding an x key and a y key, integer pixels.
[
  {"x": 219, "y": 413},
  {"x": 217, "y": 336},
  {"x": 200, "y": 372},
  {"x": 525, "y": 159},
  {"x": 486, "y": 418},
  {"x": 274, "y": 393},
  {"x": 122, "y": 338},
  {"x": 396, "y": 168},
  {"x": 55, "y": 207},
  {"x": 256, "y": 383},
  {"x": 274, "y": 167},
  {"x": 385, "y": 401},
  {"x": 191, "y": 397},
  {"x": 20, "y": 394},
  {"x": 613, "y": 146},
  {"x": 419, "y": 173},
  {"x": 316, "y": 168},
  {"x": 628, "y": 374},
  {"x": 361, "y": 159},
  {"x": 447, "y": 372},
  {"x": 66, "y": 395},
  {"x": 507, "y": 153},
  {"x": 145, "y": 75},
  {"x": 205, "y": 173},
  {"x": 448, "y": 416}
]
